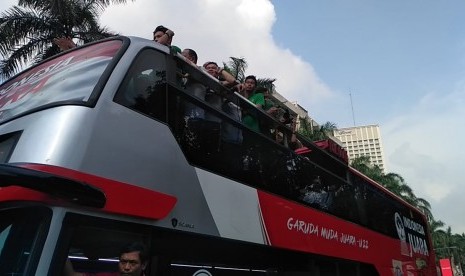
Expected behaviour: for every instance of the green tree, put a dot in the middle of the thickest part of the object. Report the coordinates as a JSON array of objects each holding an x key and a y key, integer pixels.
[
  {"x": 322, "y": 132},
  {"x": 436, "y": 230},
  {"x": 363, "y": 165},
  {"x": 237, "y": 68},
  {"x": 445, "y": 243},
  {"x": 460, "y": 244},
  {"x": 450, "y": 246},
  {"x": 267, "y": 83},
  {"x": 305, "y": 127},
  {"x": 393, "y": 182},
  {"x": 28, "y": 29}
]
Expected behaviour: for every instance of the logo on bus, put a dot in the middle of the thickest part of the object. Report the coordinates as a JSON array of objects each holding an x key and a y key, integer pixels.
[
  {"x": 176, "y": 223},
  {"x": 400, "y": 227},
  {"x": 413, "y": 233}
]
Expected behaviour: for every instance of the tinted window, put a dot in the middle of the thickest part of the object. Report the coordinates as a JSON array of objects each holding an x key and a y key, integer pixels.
[
  {"x": 378, "y": 210},
  {"x": 207, "y": 122},
  {"x": 228, "y": 257},
  {"x": 93, "y": 244},
  {"x": 7, "y": 144},
  {"x": 22, "y": 232},
  {"x": 144, "y": 86}
]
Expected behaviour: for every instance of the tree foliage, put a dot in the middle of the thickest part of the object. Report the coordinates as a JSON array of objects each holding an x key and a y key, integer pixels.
[
  {"x": 237, "y": 68},
  {"x": 28, "y": 29},
  {"x": 393, "y": 182},
  {"x": 445, "y": 244},
  {"x": 448, "y": 245},
  {"x": 317, "y": 133}
]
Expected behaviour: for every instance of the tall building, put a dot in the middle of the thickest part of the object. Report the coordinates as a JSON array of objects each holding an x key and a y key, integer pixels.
[{"x": 363, "y": 140}]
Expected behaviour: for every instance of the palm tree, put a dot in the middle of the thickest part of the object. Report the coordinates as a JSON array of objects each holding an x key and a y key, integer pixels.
[
  {"x": 394, "y": 183},
  {"x": 267, "y": 83},
  {"x": 363, "y": 165},
  {"x": 237, "y": 68},
  {"x": 445, "y": 243},
  {"x": 460, "y": 244},
  {"x": 322, "y": 132},
  {"x": 305, "y": 127},
  {"x": 28, "y": 29},
  {"x": 448, "y": 245},
  {"x": 436, "y": 230}
]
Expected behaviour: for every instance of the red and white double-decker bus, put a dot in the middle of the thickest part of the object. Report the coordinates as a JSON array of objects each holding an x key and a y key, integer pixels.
[{"x": 120, "y": 141}]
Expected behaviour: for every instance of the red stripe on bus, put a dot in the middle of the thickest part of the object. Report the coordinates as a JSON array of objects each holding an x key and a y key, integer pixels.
[{"x": 122, "y": 198}]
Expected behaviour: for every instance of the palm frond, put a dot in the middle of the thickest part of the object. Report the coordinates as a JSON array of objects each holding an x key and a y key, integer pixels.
[
  {"x": 267, "y": 83},
  {"x": 236, "y": 67},
  {"x": 27, "y": 30}
]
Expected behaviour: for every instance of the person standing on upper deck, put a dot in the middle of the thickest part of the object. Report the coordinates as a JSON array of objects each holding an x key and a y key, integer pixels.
[
  {"x": 223, "y": 76},
  {"x": 220, "y": 75},
  {"x": 193, "y": 87},
  {"x": 164, "y": 36},
  {"x": 229, "y": 133},
  {"x": 161, "y": 35},
  {"x": 190, "y": 55},
  {"x": 258, "y": 99}
]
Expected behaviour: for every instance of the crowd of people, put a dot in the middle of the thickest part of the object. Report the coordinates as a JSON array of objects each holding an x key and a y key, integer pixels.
[{"x": 258, "y": 96}]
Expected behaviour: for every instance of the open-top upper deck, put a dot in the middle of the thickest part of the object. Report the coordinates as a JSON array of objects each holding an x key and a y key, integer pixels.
[{"x": 163, "y": 141}]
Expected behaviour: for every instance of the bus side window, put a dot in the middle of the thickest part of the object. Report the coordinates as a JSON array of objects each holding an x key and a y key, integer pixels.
[
  {"x": 93, "y": 244},
  {"x": 144, "y": 86}
]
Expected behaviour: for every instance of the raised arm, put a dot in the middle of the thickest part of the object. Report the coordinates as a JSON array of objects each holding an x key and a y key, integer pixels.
[{"x": 229, "y": 79}]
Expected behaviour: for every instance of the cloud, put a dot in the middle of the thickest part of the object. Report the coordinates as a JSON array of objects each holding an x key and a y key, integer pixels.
[
  {"x": 6, "y": 4},
  {"x": 425, "y": 146},
  {"x": 219, "y": 29}
]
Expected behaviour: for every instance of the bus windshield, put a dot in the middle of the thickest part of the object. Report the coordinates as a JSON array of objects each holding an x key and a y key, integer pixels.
[{"x": 69, "y": 78}]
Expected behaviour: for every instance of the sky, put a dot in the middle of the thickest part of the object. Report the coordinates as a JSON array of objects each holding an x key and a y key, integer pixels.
[{"x": 401, "y": 62}]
